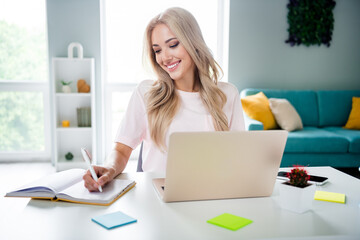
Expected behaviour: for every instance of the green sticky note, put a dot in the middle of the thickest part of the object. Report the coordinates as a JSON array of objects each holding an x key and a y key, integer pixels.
[{"x": 230, "y": 221}]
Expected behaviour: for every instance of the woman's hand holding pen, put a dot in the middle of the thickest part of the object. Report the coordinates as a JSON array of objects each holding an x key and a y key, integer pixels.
[
  {"x": 117, "y": 161},
  {"x": 105, "y": 175}
]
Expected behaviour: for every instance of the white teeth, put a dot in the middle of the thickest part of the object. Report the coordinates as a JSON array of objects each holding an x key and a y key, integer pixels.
[{"x": 172, "y": 66}]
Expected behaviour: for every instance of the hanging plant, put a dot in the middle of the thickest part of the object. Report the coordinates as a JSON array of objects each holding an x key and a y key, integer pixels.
[{"x": 311, "y": 22}]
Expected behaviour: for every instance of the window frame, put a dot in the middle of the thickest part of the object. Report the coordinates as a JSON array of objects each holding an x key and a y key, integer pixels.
[
  {"x": 30, "y": 86},
  {"x": 37, "y": 86},
  {"x": 111, "y": 87}
]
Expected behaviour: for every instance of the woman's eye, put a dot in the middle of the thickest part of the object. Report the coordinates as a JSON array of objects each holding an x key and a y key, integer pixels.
[
  {"x": 174, "y": 45},
  {"x": 157, "y": 51}
]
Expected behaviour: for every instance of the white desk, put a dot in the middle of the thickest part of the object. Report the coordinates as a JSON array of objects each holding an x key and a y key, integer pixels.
[{"x": 40, "y": 219}]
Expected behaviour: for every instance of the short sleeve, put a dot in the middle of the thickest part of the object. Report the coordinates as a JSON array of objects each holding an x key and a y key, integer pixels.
[
  {"x": 235, "y": 114},
  {"x": 133, "y": 126},
  {"x": 237, "y": 119}
]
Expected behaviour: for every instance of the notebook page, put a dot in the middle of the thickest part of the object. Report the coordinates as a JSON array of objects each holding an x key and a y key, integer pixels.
[
  {"x": 62, "y": 180},
  {"x": 78, "y": 192},
  {"x": 47, "y": 186}
]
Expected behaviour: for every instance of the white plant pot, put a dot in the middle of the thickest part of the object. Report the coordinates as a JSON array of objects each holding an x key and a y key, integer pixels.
[
  {"x": 296, "y": 199},
  {"x": 66, "y": 89}
]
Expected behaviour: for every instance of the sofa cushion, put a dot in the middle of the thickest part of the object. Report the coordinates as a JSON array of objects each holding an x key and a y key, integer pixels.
[
  {"x": 353, "y": 136},
  {"x": 285, "y": 114},
  {"x": 353, "y": 121},
  {"x": 304, "y": 101},
  {"x": 257, "y": 107},
  {"x": 335, "y": 106},
  {"x": 316, "y": 140}
]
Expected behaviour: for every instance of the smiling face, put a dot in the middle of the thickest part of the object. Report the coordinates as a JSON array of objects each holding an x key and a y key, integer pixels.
[{"x": 173, "y": 57}]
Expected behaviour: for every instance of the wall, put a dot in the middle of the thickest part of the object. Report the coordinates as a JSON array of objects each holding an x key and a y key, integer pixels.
[
  {"x": 77, "y": 21},
  {"x": 259, "y": 56}
]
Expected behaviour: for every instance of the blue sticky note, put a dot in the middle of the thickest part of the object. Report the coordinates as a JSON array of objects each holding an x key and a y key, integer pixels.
[{"x": 113, "y": 220}]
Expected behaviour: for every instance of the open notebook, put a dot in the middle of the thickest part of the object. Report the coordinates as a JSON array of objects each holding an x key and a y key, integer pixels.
[{"x": 69, "y": 186}]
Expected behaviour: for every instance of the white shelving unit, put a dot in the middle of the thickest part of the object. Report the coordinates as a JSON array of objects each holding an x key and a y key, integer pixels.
[{"x": 72, "y": 138}]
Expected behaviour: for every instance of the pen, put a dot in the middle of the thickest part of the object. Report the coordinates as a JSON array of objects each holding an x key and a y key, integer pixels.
[{"x": 86, "y": 157}]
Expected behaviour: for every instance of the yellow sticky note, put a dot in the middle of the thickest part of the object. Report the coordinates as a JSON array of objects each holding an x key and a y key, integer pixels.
[{"x": 330, "y": 196}]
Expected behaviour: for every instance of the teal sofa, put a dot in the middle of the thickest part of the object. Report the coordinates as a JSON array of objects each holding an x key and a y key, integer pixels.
[{"x": 323, "y": 141}]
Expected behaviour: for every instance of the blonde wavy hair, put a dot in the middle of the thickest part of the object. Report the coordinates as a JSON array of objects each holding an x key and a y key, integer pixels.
[{"x": 162, "y": 100}]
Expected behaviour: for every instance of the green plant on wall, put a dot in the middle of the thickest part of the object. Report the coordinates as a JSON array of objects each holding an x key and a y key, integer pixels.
[{"x": 311, "y": 22}]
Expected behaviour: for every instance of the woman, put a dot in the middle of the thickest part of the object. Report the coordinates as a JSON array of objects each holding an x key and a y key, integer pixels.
[{"x": 185, "y": 97}]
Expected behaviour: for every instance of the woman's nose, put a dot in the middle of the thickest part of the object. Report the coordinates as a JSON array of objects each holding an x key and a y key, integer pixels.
[{"x": 166, "y": 55}]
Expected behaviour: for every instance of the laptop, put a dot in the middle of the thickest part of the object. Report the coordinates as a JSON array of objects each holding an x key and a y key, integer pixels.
[{"x": 221, "y": 165}]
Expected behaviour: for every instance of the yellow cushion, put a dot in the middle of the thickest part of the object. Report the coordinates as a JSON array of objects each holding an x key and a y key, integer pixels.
[
  {"x": 257, "y": 107},
  {"x": 354, "y": 117}
]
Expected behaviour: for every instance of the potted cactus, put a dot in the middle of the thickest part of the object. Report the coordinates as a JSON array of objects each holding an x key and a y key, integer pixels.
[{"x": 297, "y": 194}]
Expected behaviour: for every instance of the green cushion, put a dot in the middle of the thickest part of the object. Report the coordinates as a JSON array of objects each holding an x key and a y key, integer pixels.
[
  {"x": 335, "y": 106},
  {"x": 316, "y": 140},
  {"x": 353, "y": 136},
  {"x": 304, "y": 101}
]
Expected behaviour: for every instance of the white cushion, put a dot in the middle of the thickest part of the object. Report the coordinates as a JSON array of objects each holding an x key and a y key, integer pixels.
[{"x": 285, "y": 114}]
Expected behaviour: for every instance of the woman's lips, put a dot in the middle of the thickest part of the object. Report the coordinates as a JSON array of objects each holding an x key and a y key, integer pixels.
[{"x": 173, "y": 66}]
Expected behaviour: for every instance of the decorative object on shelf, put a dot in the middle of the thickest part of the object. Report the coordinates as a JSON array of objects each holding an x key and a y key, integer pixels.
[
  {"x": 310, "y": 22},
  {"x": 84, "y": 116},
  {"x": 297, "y": 194},
  {"x": 69, "y": 156},
  {"x": 66, "y": 123},
  {"x": 79, "y": 50},
  {"x": 66, "y": 86},
  {"x": 82, "y": 86}
]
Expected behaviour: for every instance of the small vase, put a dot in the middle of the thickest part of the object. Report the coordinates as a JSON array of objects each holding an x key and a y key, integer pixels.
[
  {"x": 66, "y": 89},
  {"x": 296, "y": 199}
]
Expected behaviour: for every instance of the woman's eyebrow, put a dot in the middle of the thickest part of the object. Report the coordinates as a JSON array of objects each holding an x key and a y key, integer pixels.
[
  {"x": 157, "y": 45},
  {"x": 169, "y": 40}
]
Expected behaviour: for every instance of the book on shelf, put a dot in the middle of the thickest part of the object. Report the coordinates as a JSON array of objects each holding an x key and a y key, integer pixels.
[{"x": 69, "y": 186}]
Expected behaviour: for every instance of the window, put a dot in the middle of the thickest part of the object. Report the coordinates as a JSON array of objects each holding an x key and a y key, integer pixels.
[
  {"x": 125, "y": 23},
  {"x": 24, "y": 109}
]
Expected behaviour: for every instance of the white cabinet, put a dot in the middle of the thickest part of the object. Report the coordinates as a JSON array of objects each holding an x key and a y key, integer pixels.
[{"x": 65, "y": 105}]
